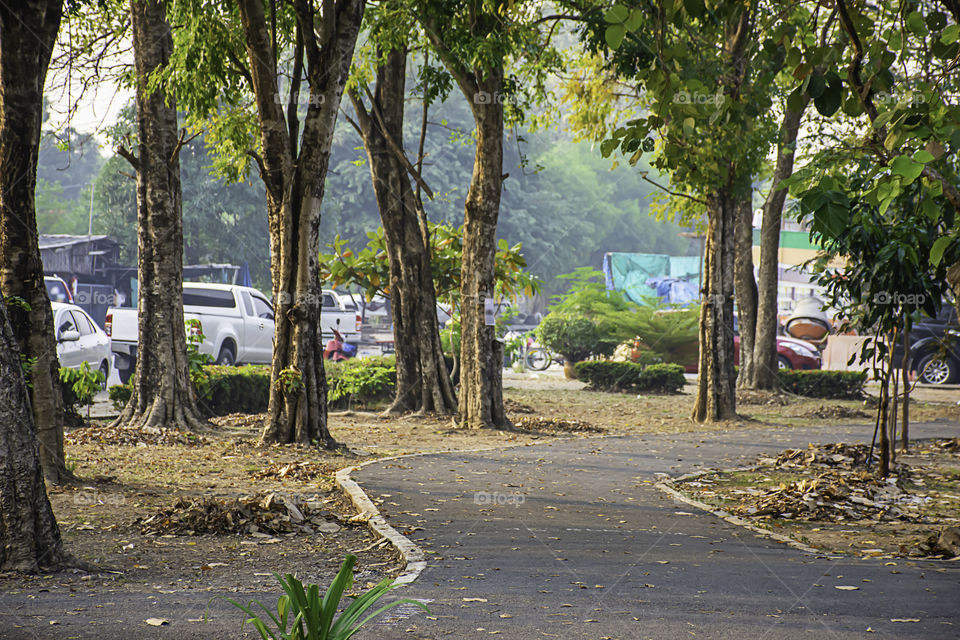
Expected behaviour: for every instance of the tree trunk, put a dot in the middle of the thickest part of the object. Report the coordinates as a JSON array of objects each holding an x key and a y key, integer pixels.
[
  {"x": 716, "y": 399},
  {"x": 28, "y": 528},
  {"x": 884, "y": 410},
  {"x": 480, "y": 405},
  {"x": 765, "y": 346},
  {"x": 27, "y": 36},
  {"x": 295, "y": 175},
  {"x": 905, "y": 374},
  {"x": 746, "y": 292},
  {"x": 423, "y": 382},
  {"x": 163, "y": 394}
]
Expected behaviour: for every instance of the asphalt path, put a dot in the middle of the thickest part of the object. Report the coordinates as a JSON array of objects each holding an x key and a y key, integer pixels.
[{"x": 570, "y": 539}]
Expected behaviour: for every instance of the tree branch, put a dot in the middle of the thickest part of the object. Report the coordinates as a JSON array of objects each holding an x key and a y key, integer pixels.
[
  {"x": 671, "y": 192},
  {"x": 397, "y": 150},
  {"x": 129, "y": 157}
]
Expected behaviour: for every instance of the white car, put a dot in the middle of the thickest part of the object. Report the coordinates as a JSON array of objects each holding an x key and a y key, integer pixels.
[{"x": 79, "y": 339}]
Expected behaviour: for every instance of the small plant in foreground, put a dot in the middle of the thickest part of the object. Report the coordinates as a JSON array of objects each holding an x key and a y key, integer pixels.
[{"x": 316, "y": 619}]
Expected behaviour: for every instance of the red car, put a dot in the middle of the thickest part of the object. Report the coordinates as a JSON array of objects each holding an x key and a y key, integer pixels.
[{"x": 791, "y": 354}]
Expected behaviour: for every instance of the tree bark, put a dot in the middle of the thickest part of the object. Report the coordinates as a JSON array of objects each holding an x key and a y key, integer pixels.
[
  {"x": 905, "y": 374},
  {"x": 28, "y": 528},
  {"x": 163, "y": 394},
  {"x": 716, "y": 399},
  {"x": 423, "y": 382},
  {"x": 480, "y": 372},
  {"x": 27, "y": 36},
  {"x": 745, "y": 286},
  {"x": 765, "y": 347},
  {"x": 295, "y": 176}
]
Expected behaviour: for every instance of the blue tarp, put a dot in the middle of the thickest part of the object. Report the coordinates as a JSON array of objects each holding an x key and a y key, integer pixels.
[{"x": 673, "y": 279}]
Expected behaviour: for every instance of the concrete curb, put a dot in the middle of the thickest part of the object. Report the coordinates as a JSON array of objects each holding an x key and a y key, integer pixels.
[
  {"x": 413, "y": 556},
  {"x": 667, "y": 487}
]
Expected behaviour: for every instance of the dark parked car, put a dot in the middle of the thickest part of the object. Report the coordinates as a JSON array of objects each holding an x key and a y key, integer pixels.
[{"x": 934, "y": 348}]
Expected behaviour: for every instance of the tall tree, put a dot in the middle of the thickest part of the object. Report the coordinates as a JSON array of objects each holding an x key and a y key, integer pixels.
[
  {"x": 265, "y": 81},
  {"x": 708, "y": 89},
  {"x": 765, "y": 345},
  {"x": 423, "y": 382},
  {"x": 476, "y": 41},
  {"x": 294, "y": 175},
  {"x": 163, "y": 393},
  {"x": 28, "y": 528},
  {"x": 27, "y": 34}
]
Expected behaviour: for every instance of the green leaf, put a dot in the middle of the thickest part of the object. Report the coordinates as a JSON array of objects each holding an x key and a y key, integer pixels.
[
  {"x": 923, "y": 156},
  {"x": 828, "y": 102},
  {"x": 617, "y": 14},
  {"x": 916, "y": 24},
  {"x": 951, "y": 34},
  {"x": 608, "y": 146},
  {"x": 906, "y": 167},
  {"x": 815, "y": 85},
  {"x": 614, "y": 35},
  {"x": 635, "y": 20},
  {"x": 795, "y": 100},
  {"x": 939, "y": 247}
]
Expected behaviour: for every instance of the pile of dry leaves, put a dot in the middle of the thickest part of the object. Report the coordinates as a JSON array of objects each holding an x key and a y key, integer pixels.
[
  {"x": 270, "y": 513},
  {"x": 126, "y": 436},
  {"x": 556, "y": 425},
  {"x": 832, "y": 486},
  {"x": 835, "y": 496},
  {"x": 302, "y": 471}
]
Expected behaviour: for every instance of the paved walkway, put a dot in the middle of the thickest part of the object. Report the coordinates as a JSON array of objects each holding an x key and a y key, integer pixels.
[{"x": 571, "y": 540}]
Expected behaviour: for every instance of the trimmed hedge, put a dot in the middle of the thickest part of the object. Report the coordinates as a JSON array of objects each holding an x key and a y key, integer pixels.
[
  {"x": 603, "y": 375},
  {"x": 361, "y": 381},
  {"x": 246, "y": 389},
  {"x": 818, "y": 383}
]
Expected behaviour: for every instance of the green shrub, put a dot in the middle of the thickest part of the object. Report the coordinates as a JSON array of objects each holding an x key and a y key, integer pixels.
[
  {"x": 575, "y": 337},
  {"x": 835, "y": 385},
  {"x": 79, "y": 386},
  {"x": 246, "y": 389},
  {"x": 603, "y": 375},
  {"x": 243, "y": 389},
  {"x": 120, "y": 394},
  {"x": 357, "y": 381}
]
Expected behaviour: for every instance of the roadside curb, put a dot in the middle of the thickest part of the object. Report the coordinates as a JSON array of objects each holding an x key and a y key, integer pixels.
[
  {"x": 667, "y": 487},
  {"x": 413, "y": 556}
]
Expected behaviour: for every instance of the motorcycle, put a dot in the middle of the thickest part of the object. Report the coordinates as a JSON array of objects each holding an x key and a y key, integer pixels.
[{"x": 338, "y": 349}]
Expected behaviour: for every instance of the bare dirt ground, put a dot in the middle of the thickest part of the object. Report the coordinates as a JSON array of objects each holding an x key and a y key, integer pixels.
[{"x": 168, "y": 513}]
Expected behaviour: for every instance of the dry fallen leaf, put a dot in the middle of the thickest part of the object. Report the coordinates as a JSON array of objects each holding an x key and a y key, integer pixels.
[
  {"x": 847, "y": 587},
  {"x": 156, "y": 622},
  {"x": 474, "y": 599},
  {"x": 904, "y": 619}
]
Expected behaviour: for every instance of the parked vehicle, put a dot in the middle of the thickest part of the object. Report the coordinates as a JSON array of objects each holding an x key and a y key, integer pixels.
[
  {"x": 338, "y": 349},
  {"x": 79, "y": 339},
  {"x": 934, "y": 348},
  {"x": 339, "y": 312},
  {"x": 57, "y": 289},
  {"x": 791, "y": 354},
  {"x": 236, "y": 323}
]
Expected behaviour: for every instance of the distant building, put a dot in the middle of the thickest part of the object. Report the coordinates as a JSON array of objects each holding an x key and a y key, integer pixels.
[{"x": 90, "y": 267}]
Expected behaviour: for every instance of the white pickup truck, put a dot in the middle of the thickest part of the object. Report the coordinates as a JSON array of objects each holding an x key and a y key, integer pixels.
[{"x": 236, "y": 322}]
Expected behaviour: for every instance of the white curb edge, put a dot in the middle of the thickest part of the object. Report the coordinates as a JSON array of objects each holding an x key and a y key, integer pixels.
[
  {"x": 413, "y": 556},
  {"x": 666, "y": 487}
]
